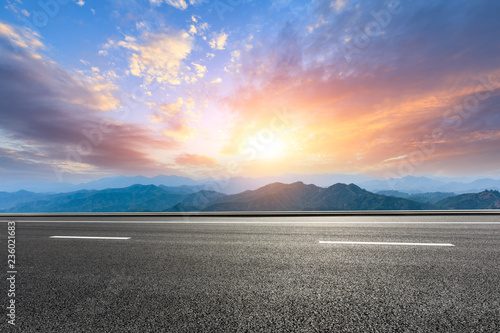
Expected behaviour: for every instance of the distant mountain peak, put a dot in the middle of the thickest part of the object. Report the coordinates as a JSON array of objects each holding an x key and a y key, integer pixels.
[
  {"x": 488, "y": 194},
  {"x": 342, "y": 186},
  {"x": 488, "y": 199}
]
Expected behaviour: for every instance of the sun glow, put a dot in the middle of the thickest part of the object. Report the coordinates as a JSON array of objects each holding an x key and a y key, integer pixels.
[{"x": 273, "y": 150}]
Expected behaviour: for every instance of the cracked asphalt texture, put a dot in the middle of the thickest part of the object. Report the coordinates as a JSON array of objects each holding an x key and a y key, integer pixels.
[{"x": 255, "y": 277}]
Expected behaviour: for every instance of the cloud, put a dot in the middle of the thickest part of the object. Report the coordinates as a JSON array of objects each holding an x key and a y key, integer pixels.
[
  {"x": 218, "y": 41},
  {"x": 193, "y": 160},
  {"x": 52, "y": 118},
  {"x": 158, "y": 56},
  {"x": 22, "y": 164},
  {"x": 382, "y": 102},
  {"x": 22, "y": 61},
  {"x": 198, "y": 29},
  {"x": 179, "y": 4},
  {"x": 197, "y": 2},
  {"x": 338, "y": 5},
  {"x": 176, "y": 118},
  {"x": 200, "y": 70},
  {"x": 26, "y": 40}
]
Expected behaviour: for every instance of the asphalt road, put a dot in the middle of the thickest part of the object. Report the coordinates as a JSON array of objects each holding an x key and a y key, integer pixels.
[{"x": 192, "y": 275}]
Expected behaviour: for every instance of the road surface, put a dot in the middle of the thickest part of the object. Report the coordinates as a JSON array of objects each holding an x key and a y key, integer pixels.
[{"x": 267, "y": 274}]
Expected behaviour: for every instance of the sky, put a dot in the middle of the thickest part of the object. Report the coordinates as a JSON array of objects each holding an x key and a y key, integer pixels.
[{"x": 203, "y": 88}]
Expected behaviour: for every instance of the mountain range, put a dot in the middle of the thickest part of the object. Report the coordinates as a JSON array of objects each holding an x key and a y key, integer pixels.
[
  {"x": 483, "y": 200},
  {"x": 301, "y": 197},
  {"x": 135, "y": 198},
  {"x": 235, "y": 185},
  {"x": 427, "y": 197},
  {"x": 414, "y": 185},
  {"x": 272, "y": 197}
]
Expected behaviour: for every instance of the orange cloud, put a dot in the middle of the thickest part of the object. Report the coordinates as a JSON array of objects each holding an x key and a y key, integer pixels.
[
  {"x": 359, "y": 123},
  {"x": 218, "y": 41},
  {"x": 177, "y": 118},
  {"x": 159, "y": 56},
  {"x": 194, "y": 160}
]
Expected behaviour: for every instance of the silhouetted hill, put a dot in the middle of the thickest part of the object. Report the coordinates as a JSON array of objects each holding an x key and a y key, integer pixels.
[
  {"x": 394, "y": 193},
  {"x": 276, "y": 196},
  {"x": 298, "y": 197},
  {"x": 182, "y": 208},
  {"x": 196, "y": 201},
  {"x": 100, "y": 184},
  {"x": 428, "y": 197},
  {"x": 352, "y": 197},
  {"x": 183, "y": 189},
  {"x": 124, "y": 181},
  {"x": 8, "y": 199},
  {"x": 134, "y": 198},
  {"x": 482, "y": 200}
]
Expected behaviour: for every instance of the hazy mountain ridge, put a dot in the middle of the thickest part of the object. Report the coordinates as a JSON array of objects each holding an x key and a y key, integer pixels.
[
  {"x": 428, "y": 197},
  {"x": 301, "y": 197},
  {"x": 134, "y": 198},
  {"x": 11, "y": 199},
  {"x": 196, "y": 201},
  {"x": 276, "y": 197},
  {"x": 352, "y": 197},
  {"x": 236, "y": 185},
  {"x": 485, "y": 200},
  {"x": 272, "y": 197},
  {"x": 417, "y": 185}
]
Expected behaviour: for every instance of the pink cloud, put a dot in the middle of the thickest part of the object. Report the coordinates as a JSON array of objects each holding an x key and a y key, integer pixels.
[{"x": 193, "y": 160}]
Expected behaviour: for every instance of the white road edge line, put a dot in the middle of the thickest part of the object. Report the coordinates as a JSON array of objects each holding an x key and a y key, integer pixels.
[
  {"x": 88, "y": 237},
  {"x": 388, "y": 243}
]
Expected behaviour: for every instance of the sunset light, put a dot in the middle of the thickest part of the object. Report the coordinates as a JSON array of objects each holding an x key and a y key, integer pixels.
[
  {"x": 379, "y": 89},
  {"x": 273, "y": 150}
]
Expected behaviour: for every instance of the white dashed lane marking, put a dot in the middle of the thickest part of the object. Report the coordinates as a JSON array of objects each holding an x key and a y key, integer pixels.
[
  {"x": 88, "y": 237},
  {"x": 387, "y": 243}
]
